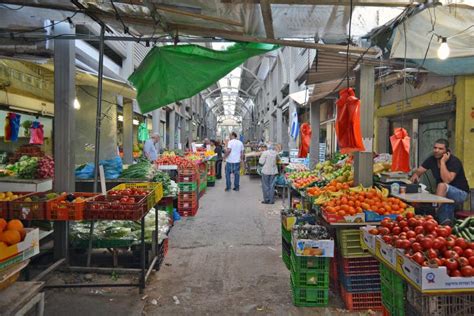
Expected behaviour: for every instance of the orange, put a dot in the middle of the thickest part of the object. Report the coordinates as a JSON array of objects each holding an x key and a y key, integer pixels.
[
  {"x": 15, "y": 224},
  {"x": 22, "y": 234},
  {"x": 3, "y": 245},
  {"x": 3, "y": 224},
  {"x": 10, "y": 237}
]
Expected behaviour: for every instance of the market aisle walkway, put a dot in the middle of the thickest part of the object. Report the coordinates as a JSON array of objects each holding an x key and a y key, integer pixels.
[{"x": 226, "y": 260}]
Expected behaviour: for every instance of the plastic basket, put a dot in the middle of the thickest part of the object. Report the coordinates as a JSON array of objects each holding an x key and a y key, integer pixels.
[
  {"x": 187, "y": 186},
  {"x": 187, "y": 204},
  {"x": 309, "y": 297},
  {"x": 361, "y": 283},
  {"x": 20, "y": 209},
  {"x": 285, "y": 234},
  {"x": 348, "y": 241},
  {"x": 310, "y": 278},
  {"x": 192, "y": 177},
  {"x": 441, "y": 305},
  {"x": 306, "y": 264},
  {"x": 187, "y": 196},
  {"x": 4, "y": 209},
  {"x": 61, "y": 210},
  {"x": 393, "y": 300},
  {"x": 100, "y": 208},
  {"x": 185, "y": 212},
  {"x": 361, "y": 301},
  {"x": 359, "y": 266},
  {"x": 392, "y": 281},
  {"x": 150, "y": 186}
]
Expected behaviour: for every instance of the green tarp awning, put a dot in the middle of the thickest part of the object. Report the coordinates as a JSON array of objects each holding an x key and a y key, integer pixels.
[{"x": 172, "y": 73}]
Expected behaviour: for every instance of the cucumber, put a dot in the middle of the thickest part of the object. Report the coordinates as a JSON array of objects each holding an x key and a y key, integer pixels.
[
  {"x": 455, "y": 230},
  {"x": 464, "y": 223}
]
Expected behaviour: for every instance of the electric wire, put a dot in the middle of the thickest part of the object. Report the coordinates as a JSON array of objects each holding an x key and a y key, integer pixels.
[
  {"x": 9, "y": 8},
  {"x": 348, "y": 44}
]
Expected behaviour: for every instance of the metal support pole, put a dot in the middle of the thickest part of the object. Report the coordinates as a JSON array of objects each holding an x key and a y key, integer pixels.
[
  {"x": 315, "y": 126},
  {"x": 98, "y": 121},
  {"x": 142, "y": 256},
  {"x": 363, "y": 162},
  {"x": 172, "y": 129},
  {"x": 414, "y": 144},
  {"x": 127, "y": 133}
]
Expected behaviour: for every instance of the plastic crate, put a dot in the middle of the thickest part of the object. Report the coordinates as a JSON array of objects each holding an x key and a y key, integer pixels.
[
  {"x": 61, "y": 210},
  {"x": 333, "y": 274},
  {"x": 187, "y": 186},
  {"x": 285, "y": 234},
  {"x": 410, "y": 310},
  {"x": 348, "y": 241},
  {"x": 4, "y": 208},
  {"x": 150, "y": 186},
  {"x": 385, "y": 312},
  {"x": 100, "y": 208},
  {"x": 361, "y": 283},
  {"x": 310, "y": 278},
  {"x": 393, "y": 300},
  {"x": 103, "y": 243},
  {"x": 359, "y": 266},
  {"x": 201, "y": 193},
  {"x": 392, "y": 281},
  {"x": 286, "y": 259},
  {"x": 306, "y": 264},
  {"x": 361, "y": 301},
  {"x": 188, "y": 196},
  {"x": 211, "y": 183},
  {"x": 21, "y": 209},
  {"x": 309, "y": 297},
  {"x": 440, "y": 305},
  {"x": 187, "y": 204},
  {"x": 164, "y": 247},
  {"x": 185, "y": 212}
]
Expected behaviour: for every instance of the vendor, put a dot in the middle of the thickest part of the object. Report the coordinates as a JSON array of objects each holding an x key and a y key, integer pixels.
[
  {"x": 451, "y": 181},
  {"x": 151, "y": 148}
]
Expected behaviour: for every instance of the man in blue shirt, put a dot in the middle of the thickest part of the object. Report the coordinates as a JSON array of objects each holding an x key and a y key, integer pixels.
[{"x": 150, "y": 150}]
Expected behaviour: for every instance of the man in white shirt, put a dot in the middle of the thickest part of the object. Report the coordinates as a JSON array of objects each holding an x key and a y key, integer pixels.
[
  {"x": 234, "y": 154},
  {"x": 269, "y": 160},
  {"x": 150, "y": 150}
]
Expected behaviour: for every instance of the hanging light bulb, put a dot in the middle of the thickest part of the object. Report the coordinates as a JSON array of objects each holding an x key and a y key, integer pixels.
[
  {"x": 77, "y": 105},
  {"x": 443, "y": 50}
]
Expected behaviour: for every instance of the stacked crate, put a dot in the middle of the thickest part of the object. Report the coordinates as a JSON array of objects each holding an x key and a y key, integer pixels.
[
  {"x": 309, "y": 280},
  {"x": 393, "y": 292},
  {"x": 359, "y": 273},
  {"x": 188, "y": 192},
  {"x": 285, "y": 246},
  {"x": 202, "y": 179},
  {"x": 211, "y": 173}
]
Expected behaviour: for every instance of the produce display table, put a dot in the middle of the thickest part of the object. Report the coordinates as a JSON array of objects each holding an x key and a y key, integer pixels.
[
  {"x": 87, "y": 185},
  {"x": 425, "y": 198},
  {"x": 14, "y": 184},
  {"x": 21, "y": 297}
]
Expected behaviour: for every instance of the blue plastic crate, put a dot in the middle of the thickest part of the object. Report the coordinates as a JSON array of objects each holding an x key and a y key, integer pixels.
[
  {"x": 361, "y": 283},
  {"x": 374, "y": 217}
]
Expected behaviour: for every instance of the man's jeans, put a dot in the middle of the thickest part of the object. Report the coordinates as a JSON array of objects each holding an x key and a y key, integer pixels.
[
  {"x": 446, "y": 211},
  {"x": 235, "y": 169},
  {"x": 268, "y": 188}
]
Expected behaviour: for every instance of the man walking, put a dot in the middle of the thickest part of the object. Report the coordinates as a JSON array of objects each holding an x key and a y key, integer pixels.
[
  {"x": 268, "y": 160},
  {"x": 233, "y": 155},
  {"x": 450, "y": 179}
]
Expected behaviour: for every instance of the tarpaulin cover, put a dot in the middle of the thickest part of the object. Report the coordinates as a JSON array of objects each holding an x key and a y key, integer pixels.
[
  {"x": 348, "y": 131},
  {"x": 172, "y": 73},
  {"x": 305, "y": 140},
  {"x": 400, "y": 142}
]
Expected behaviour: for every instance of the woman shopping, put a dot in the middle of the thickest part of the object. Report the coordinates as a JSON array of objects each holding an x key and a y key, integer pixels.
[{"x": 268, "y": 160}]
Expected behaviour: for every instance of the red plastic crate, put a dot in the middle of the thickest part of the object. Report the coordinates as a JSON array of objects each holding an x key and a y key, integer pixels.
[
  {"x": 34, "y": 210},
  {"x": 185, "y": 212},
  {"x": 4, "y": 209},
  {"x": 187, "y": 204},
  {"x": 333, "y": 274},
  {"x": 67, "y": 211},
  {"x": 188, "y": 176},
  {"x": 361, "y": 301},
  {"x": 360, "y": 266},
  {"x": 165, "y": 247},
  {"x": 385, "y": 311},
  {"x": 187, "y": 196},
  {"x": 99, "y": 208}
]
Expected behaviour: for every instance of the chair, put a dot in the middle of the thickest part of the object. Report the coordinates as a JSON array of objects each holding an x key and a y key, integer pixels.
[{"x": 466, "y": 213}]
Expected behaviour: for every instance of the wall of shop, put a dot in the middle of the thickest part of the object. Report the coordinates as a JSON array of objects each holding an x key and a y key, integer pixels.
[{"x": 86, "y": 127}]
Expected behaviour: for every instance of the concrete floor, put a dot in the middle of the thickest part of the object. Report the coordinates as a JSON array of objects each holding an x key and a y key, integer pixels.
[{"x": 224, "y": 261}]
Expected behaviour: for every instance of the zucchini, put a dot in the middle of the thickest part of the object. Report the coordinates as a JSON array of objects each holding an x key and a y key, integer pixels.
[
  {"x": 455, "y": 230},
  {"x": 464, "y": 223}
]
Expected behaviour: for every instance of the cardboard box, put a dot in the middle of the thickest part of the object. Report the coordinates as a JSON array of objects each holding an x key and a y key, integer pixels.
[
  {"x": 334, "y": 218},
  {"x": 313, "y": 248},
  {"x": 367, "y": 240},
  {"x": 289, "y": 221},
  {"x": 30, "y": 246},
  {"x": 385, "y": 252},
  {"x": 431, "y": 280}
]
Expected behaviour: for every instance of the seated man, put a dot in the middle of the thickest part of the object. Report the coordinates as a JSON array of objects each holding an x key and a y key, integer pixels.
[{"x": 450, "y": 179}]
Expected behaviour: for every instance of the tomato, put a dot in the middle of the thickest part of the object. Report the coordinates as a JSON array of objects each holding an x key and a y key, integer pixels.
[
  {"x": 429, "y": 226},
  {"x": 436, "y": 262},
  {"x": 449, "y": 229},
  {"x": 463, "y": 261},
  {"x": 385, "y": 222},
  {"x": 416, "y": 246},
  {"x": 406, "y": 229},
  {"x": 124, "y": 200},
  {"x": 400, "y": 218},
  {"x": 387, "y": 239},
  {"x": 374, "y": 231},
  {"x": 451, "y": 264},
  {"x": 411, "y": 234},
  {"x": 450, "y": 242},
  {"x": 467, "y": 271},
  {"x": 413, "y": 222},
  {"x": 468, "y": 253},
  {"x": 437, "y": 243},
  {"x": 418, "y": 258},
  {"x": 461, "y": 242},
  {"x": 398, "y": 243},
  {"x": 471, "y": 260},
  {"x": 431, "y": 254},
  {"x": 458, "y": 250},
  {"x": 443, "y": 232},
  {"x": 411, "y": 240},
  {"x": 396, "y": 230},
  {"x": 448, "y": 254},
  {"x": 427, "y": 243},
  {"x": 384, "y": 231},
  {"x": 405, "y": 244},
  {"x": 410, "y": 215},
  {"x": 428, "y": 217},
  {"x": 420, "y": 237},
  {"x": 455, "y": 273},
  {"x": 403, "y": 224}
]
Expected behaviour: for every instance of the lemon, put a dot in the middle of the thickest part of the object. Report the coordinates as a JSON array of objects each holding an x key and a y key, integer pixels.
[{"x": 9, "y": 194}]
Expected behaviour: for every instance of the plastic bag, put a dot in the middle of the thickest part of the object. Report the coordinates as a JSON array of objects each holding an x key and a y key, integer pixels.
[
  {"x": 36, "y": 134},
  {"x": 112, "y": 169},
  {"x": 305, "y": 140},
  {"x": 348, "y": 131},
  {"x": 400, "y": 142}
]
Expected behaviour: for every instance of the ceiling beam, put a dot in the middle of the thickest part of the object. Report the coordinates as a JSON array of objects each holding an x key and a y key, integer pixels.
[
  {"x": 169, "y": 9},
  {"x": 366, "y": 3},
  {"x": 266, "y": 9}
]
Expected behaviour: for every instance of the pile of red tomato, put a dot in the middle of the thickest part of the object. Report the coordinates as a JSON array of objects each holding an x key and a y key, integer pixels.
[
  {"x": 129, "y": 192},
  {"x": 181, "y": 162},
  {"x": 428, "y": 243}
]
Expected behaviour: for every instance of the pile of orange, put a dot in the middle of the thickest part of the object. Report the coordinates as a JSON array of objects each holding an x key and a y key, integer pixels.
[
  {"x": 11, "y": 232},
  {"x": 333, "y": 186},
  {"x": 352, "y": 203}
]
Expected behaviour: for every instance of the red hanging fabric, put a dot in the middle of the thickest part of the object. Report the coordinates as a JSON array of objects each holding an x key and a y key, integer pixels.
[
  {"x": 305, "y": 132},
  {"x": 400, "y": 142},
  {"x": 349, "y": 136}
]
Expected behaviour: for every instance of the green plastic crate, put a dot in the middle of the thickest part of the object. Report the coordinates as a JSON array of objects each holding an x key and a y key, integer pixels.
[
  {"x": 392, "y": 280},
  {"x": 393, "y": 291},
  {"x": 211, "y": 178},
  {"x": 309, "y": 297},
  {"x": 187, "y": 186},
  {"x": 308, "y": 264},
  {"x": 285, "y": 234},
  {"x": 348, "y": 242},
  {"x": 286, "y": 260},
  {"x": 310, "y": 278}
]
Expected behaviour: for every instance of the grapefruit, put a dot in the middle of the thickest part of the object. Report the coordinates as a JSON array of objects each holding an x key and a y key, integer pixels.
[
  {"x": 10, "y": 237},
  {"x": 15, "y": 224}
]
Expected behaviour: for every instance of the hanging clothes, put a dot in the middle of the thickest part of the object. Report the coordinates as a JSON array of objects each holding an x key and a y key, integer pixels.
[
  {"x": 143, "y": 133},
  {"x": 295, "y": 127},
  {"x": 8, "y": 132},
  {"x": 36, "y": 133},
  {"x": 305, "y": 140},
  {"x": 12, "y": 127},
  {"x": 400, "y": 142},
  {"x": 348, "y": 132}
]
